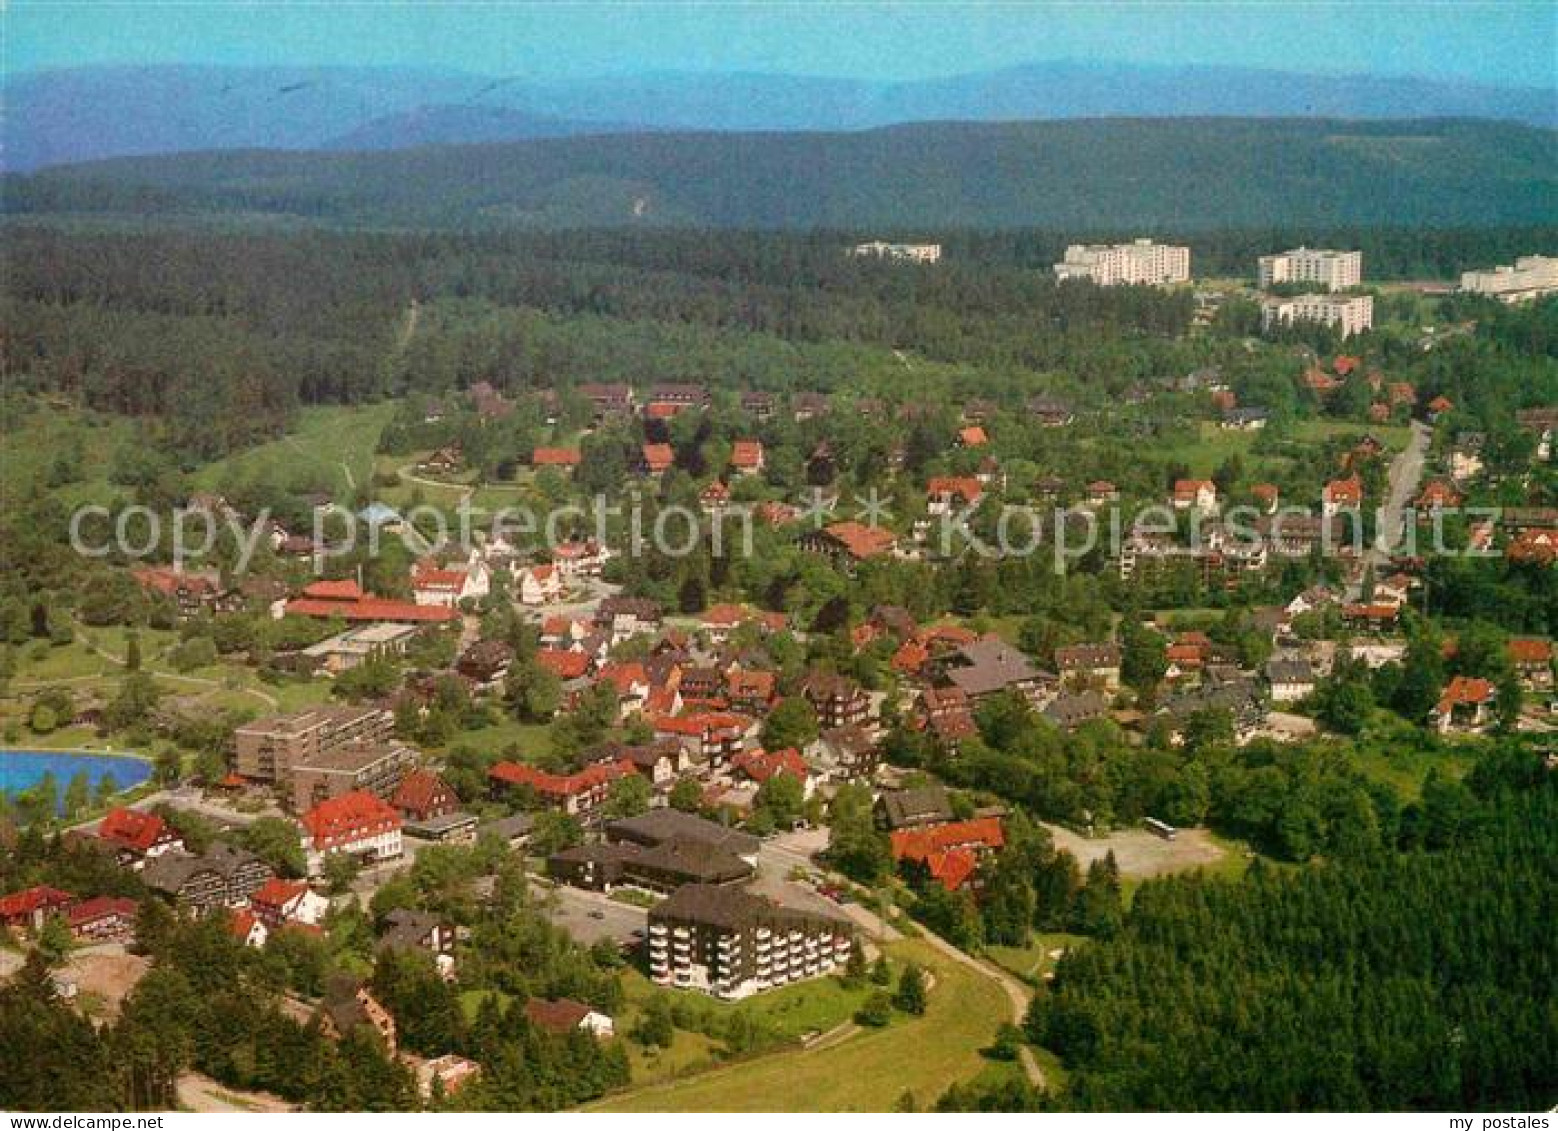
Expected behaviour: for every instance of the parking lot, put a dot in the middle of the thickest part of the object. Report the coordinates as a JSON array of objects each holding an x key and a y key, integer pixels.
[{"x": 589, "y": 916}]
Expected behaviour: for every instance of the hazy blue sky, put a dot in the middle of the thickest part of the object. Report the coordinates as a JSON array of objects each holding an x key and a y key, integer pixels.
[{"x": 1507, "y": 43}]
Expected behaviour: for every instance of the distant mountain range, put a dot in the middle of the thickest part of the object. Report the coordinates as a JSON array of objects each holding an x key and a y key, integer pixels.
[
  {"x": 1130, "y": 176},
  {"x": 66, "y": 116}
]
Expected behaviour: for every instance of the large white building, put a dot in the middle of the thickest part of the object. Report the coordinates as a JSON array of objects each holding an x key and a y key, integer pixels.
[
  {"x": 1140, "y": 261},
  {"x": 1350, "y": 314},
  {"x": 1531, "y": 277},
  {"x": 912, "y": 252},
  {"x": 1333, "y": 270}
]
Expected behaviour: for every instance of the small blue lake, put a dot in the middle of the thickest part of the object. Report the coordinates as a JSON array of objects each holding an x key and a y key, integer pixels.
[{"x": 23, "y": 769}]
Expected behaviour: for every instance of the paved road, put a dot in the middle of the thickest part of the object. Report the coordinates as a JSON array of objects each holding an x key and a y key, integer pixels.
[{"x": 1403, "y": 479}]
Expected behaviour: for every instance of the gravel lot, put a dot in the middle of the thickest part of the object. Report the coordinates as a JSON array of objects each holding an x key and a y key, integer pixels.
[{"x": 1140, "y": 853}]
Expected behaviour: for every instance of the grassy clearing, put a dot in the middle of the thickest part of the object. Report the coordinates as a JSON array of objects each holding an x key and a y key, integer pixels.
[
  {"x": 332, "y": 448},
  {"x": 1032, "y": 962},
  {"x": 868, "y": 1070}
]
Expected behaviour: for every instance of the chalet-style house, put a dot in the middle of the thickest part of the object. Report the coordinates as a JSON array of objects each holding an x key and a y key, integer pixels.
[
  {"x": 1089, "y": 665},
  {"x": 137, "y": 836},
  {"x": 279, "y": 902},
  {"x": 104, "y": 918},
  {"x": 27, "y": 910},
  {"x": 220, "y": 877},
  {"x": 423, "y": 795},
  {"x": 912, "y": 808},
  {"x": 838, "y": 700},
  {"x": 848, "y": 543},
  {"x": 348, "y": 1006},
  {"x": 950, "y": 853},
  {"x": 1465, "y": 704}
]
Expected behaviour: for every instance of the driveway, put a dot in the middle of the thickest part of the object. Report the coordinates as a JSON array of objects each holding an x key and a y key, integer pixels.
[{"x": 1403, "y": 479}]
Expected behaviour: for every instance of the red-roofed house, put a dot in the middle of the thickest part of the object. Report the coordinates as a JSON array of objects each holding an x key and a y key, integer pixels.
[
  {"x": 246, "y": 927},
  {"x": 1197, "y": 494},
  {"x": 540, "y": 585},
  {"x": 577, "y": 794},
  {"x": 423, "y": 795},
  {"x": 345, "y": 599},
  {"x": 1464, "y": 704},
  {"x": 279, "y": 901},
  {"x": 579, "y": 559},
  {"x": 28, "y": 909},
  {"x": 714, "y": 737},
  {"x": 434, "y": 586},
  {"x": 1341, "y": 495},
  {"x": 761, "y": 765},
  {"x": 972, "y": 437},
  {"x": 355, "y": 824},
  {"x": 950, "y": 852},
  {"x": 656, "y": 459},
  {"x": 851, "y": 541},
  {"x": 1532, "y": 658},
  {"x": 746, "y": 457},
  {"x": 944, "y": 493},
  {"x": 564, "y": 665},
  {"x": 1439, "y": 406},
  {"x": 103, "y": 918},
  {"x": 564, "y": 459},
  {"x": 138, "y": 836},
  {"x": 1438, "y": 495}
]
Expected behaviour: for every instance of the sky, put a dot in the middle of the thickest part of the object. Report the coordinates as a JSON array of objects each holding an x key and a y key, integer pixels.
[{"x": 1508, "y": 43}]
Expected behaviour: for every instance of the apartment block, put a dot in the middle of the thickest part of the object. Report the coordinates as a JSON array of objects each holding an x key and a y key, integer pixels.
[
  {"x": 1333, "y": 270},
  {"x": 1350, "y": 315},
  {"x": 362, "y": 766},
  {"x": 1530, "y": 277},
  {"x": 1140, "y": 261},
  {"x": 267, "y": 749},
  {"x": 906, "y": 252},
  {"x": 731, "y": 944}
]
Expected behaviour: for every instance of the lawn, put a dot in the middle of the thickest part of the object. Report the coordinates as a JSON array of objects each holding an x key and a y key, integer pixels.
[
  {"x": 866, "y": 1071},
  {"x": 1032, "y": 962},
  {"x": 1404, "y": 768},
  {"x": 532, "y": 740},
  {"x": 332, "y": 448}
]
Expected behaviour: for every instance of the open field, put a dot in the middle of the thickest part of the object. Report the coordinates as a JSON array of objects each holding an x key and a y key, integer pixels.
[
  {"x": 863, "y": 1071},
  {"x": 331, "y": 449}
]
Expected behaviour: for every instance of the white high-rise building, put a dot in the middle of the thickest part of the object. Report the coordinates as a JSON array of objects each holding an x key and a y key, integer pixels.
[
  {"x": 1531, "y": 277},
  {"x": 912, "y": 252},
  {"x": 1140, "y": 261},
  {"x": 1351, "y": 314},
  {"x": 1333, "y": 270}
]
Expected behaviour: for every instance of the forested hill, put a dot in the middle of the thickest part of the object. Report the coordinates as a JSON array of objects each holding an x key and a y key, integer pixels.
[{"x": 1115, "y": 174}]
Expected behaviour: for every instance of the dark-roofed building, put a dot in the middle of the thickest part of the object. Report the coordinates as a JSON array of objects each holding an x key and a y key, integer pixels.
[
  {"x": 222, "y": 876},
  {"x": 663, "y": 867},
  {"x": 989, "y": 666},
  {"x": 1070, "y": 710},
  {"x": 562, "y": 1016},
  {"x": 348, "y": 1006},
  {"x": 913, "y": 808},
  {"x": 660, "y": 826},
  {"x": 731, "y": 943}
]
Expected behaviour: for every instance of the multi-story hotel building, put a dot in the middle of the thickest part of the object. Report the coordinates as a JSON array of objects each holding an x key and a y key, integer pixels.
[
  {"x": 1140, "y": 261},
  {"x": 1333, "y": 270},
  {"x": 911, "y": 252},
  {"x": 1531, "y": 277},
  {"x": 370, "y": 767},
  {"x": 730, "y": 943},
  {"x": 267, "y": 749},
  {"x": 358, "y": 825},
  {"x": 1350, "y": 314}
]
